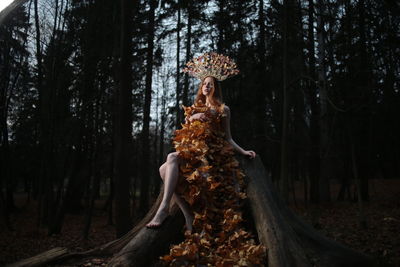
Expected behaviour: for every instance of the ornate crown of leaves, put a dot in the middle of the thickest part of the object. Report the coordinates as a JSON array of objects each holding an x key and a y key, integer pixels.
[{"x": 211, "y": 64}]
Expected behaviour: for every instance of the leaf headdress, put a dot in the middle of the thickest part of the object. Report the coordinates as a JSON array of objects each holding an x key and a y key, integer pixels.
[{"x": 211, "y": 64}]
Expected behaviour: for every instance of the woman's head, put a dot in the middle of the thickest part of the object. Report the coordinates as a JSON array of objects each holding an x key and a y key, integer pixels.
[{"x": 209, "y": 88}]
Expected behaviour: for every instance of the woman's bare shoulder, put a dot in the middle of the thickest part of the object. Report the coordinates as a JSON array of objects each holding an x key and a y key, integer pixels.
[{"x": 226, "y": 108}]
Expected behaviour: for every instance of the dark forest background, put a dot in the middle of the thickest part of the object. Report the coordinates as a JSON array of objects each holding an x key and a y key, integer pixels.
[{"x": 90, "y": 94}]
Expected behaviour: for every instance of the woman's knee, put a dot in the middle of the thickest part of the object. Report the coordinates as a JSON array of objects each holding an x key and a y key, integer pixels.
[{"x": 162, "y": 170}]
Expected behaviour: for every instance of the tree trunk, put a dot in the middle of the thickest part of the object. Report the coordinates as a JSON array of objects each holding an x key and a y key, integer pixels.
[
  {"x": 364, "y": 82},
  {"x": 220, "y": 26},
  {"x": 146, "y": 245},
  {"x": 185, "y": 100},
  {"x": 284, "y": 178},
  {"x": 45, "y": 130},
  {"x": 6, "y": 94},
  {"x": 156, "y": 181},
  {"x": 324, "y": 188},
  {"x": 261, "y": 91},
  {"x": 124, "y": 125},
  {"x": 289, "y": 240},
  {"x": 178, "y": 69},
  {"x": 314, "y": 161},
  {"x": 144, "y": 170},
  {"x": 361, "y": 215},
  {"x": 57, "y": 95}
]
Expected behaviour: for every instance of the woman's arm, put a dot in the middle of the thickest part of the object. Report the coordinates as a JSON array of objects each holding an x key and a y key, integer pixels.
[
  {"x": 227, "y": 127},
  {"x": 198, "y": 116},
  {"x": 190, "y": 116}
]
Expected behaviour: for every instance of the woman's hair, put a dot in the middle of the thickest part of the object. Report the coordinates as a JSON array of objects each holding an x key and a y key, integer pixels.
[{"x": 215, "y": 94}]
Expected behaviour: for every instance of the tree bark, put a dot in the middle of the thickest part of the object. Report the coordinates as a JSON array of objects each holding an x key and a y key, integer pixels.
[
  {"x": 261, "y": 91},
  {"x": 290, "y": 241},
  {"x": 178, "y": 70},
  {"x": 284, "y": 177},
  {"x": 364, "y": 82},
  {"x": 145, "y": 173},
  {"x": 185, "y": 100},
  {"x": 45, "y": 184},
  {"x": 124, "y": 125},
  {"x": 220, "y": 26}
]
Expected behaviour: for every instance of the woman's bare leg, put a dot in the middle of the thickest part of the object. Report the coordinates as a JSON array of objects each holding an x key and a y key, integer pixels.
[
  {"x": 169, "y": 173},
  {"x": 183, "y": 205}
]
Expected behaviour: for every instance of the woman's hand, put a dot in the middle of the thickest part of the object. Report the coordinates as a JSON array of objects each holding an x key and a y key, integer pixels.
[
  {"x": 198, "y": 116},
  {"x": 250, "y": 153}
]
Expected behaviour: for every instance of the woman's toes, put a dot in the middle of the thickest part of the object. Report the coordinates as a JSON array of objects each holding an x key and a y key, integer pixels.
[
  {"x": 151, "y": 224},
  {"x": 158, "y": 219}
]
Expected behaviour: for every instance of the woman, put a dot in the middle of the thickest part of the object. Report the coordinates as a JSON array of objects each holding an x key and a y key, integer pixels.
[{"x": 204, "y": 178}]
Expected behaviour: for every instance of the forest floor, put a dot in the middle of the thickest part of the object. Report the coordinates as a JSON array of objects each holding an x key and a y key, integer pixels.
[{"x": 337, "y": 220}]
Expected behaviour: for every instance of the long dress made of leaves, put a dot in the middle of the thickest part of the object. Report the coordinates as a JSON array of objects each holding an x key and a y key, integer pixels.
[{"x": 211, "y": 181}]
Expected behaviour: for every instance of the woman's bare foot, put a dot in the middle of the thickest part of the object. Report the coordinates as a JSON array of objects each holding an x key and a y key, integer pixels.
[{"x": 159, "y": 218}]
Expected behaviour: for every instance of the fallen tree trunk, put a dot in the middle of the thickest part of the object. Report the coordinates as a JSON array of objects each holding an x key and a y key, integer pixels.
[{"x": 289, "y": 240}]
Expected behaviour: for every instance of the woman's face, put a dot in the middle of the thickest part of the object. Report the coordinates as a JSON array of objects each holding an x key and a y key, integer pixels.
[{"x": 208, "y": 86}]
